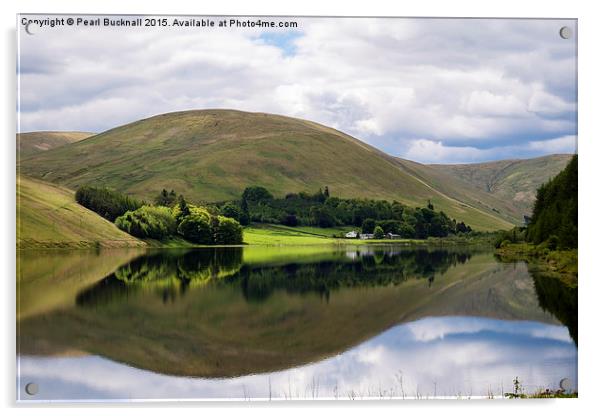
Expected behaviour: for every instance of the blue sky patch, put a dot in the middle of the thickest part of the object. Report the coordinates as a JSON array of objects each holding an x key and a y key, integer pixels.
[{"x": 282, "y": 40}]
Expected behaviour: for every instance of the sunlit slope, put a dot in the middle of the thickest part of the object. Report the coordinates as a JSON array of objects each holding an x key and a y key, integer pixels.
[
  {"x": 40, "y": 141},
  {"x": 514, "y": 181},
  {"x": 213, "y": 155},
  {"x": 48, "y": 216}
]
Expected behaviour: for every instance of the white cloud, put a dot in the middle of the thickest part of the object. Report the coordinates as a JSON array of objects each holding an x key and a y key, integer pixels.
[
  {"x": 546, "y": 103},
  {"x": 429, "y": 151},
  {"x": 488, "y": 104},
  {"x": 565, "y": 144}
]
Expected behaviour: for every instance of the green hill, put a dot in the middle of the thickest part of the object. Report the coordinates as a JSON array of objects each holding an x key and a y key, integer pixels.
[
  {"x": 40, "y": 141},
  {"x": 48, "y": 216},
  {"x": 514, "y": 181},
  {"x": 212, "y": 155}
]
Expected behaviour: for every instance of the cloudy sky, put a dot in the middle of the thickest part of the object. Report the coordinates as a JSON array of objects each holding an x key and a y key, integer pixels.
[{"x": 436, "y": 91}]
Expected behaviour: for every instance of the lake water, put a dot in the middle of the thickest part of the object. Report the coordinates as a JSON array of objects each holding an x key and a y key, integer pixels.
[{"x": 290, "y": 322}]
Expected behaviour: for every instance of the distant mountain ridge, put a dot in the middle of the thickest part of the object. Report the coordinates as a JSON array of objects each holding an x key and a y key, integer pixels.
[
  {"x": 212, "y": 155},
  {"x": 515, "y": 181},
  {"x": 40, "y": 141}
]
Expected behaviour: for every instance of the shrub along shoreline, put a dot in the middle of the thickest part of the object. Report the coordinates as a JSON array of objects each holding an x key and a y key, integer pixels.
[{"x": 561, "y": 264}]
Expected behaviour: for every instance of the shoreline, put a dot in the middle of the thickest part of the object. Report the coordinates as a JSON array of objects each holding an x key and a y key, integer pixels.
[
  {"x": 327, "y": 241},
  {"x": 559, "y": 264}
]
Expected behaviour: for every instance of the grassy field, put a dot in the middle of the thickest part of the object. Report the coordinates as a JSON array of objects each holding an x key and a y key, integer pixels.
[
  {"x": 49, "y": 217},
  {"x": 281, "y": 235},
  {"x": 40, "y": 141},
  {"x": 212, "y": 155},
  {"x": 267, "y": 234}
]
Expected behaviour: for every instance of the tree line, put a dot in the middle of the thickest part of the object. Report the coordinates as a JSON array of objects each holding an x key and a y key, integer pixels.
[
  {"x": 321, "y": 209},
  {"x": 220, "y": 223},
  {"x": 555, "y": 210}
]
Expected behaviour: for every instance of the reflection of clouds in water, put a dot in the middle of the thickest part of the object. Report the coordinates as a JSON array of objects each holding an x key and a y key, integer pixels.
[
  {"x": 429, "y": 329},
  {"x": 452, "y": 355}
]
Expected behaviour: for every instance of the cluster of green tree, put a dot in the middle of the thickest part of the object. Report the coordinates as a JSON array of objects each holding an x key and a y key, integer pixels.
[
  {"x": 515, "y": 235},
  {"x": 555, "y": 210},
  {"x": 106, "y": 202},
  {"x": 166, "y": 199},
  {"x": 171, "y": 216},
  {"x": 198, "y": 225},
  {"x": 257, "y": 204},
  {"x": 148, "y": 222}
]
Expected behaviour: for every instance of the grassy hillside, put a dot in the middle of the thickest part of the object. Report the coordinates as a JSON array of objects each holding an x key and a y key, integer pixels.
[
  {"x": 213, "y": 155},
  {"x": 40, "y": 141},
  {"x": 515, "y": 181},
  {"x": 48, "y": 216},
  {"x": 459, "y": 189}
]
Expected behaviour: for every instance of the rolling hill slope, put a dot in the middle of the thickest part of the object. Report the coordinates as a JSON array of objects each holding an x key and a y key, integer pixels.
[
  {"x": 49, "y": 217},
  {"x": 212, "y": 155},
  {"x": 456, "y": 187},
  {"x": 515, "y": 181},
  {"x": 40, "y": 141}
]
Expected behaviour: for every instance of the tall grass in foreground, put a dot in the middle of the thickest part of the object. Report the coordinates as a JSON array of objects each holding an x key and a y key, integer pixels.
[{"x": 398, "y": 391}]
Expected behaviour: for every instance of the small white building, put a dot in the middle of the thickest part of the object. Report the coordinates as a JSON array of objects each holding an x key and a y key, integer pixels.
[
  {"x": 351, "y": 234},
  {"x": 392, "y": 236},
  {"x": 366, "y": 236}
]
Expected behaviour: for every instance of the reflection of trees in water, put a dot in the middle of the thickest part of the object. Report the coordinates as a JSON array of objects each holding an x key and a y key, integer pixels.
[
  {"x": 380, "y": 268},
  {"x": 558, "y": 298},
  {"x": 103, "y": 292},
  {"x": 171, "y": 273}
]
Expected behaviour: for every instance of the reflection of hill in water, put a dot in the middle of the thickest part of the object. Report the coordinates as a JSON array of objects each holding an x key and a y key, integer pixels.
[{"x": 205, "y": 313}]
